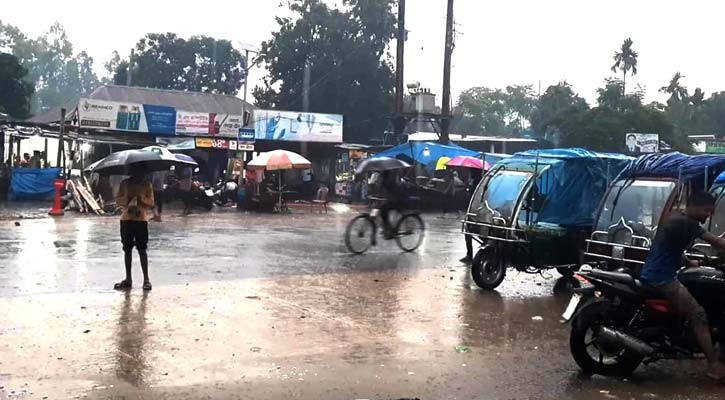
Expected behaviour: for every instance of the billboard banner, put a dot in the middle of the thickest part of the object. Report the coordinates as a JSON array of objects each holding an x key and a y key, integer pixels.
[
  {"x": 176, "y": 143},
  {"x": 208, "y": 124},
  {"x": 130, "y": 117},
  {"x": 297, "y": 126},
  {"x": 641, "y": 143},
  {"x": 160, "y": 119},
  {"x": 192, "y": 123},
  {"x": 212, "y": 143}
]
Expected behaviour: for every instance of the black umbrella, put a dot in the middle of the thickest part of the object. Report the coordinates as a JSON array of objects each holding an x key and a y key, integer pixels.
[
  {"x": 380, "y": 164},
  {"x": 120, "y": 163}
]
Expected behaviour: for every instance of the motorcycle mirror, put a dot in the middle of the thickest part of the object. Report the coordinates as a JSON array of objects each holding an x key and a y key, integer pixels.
[{"x": 196, "y": 170}]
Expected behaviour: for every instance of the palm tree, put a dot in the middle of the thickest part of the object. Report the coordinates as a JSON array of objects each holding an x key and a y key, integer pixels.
[
  {"x": 676, "y": 91},
  {"x": 625, "y": 60},
  {"x": 697, "y": 98}
]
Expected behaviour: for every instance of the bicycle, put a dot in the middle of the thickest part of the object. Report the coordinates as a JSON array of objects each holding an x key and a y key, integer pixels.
[{"x": 361, "y": 231}]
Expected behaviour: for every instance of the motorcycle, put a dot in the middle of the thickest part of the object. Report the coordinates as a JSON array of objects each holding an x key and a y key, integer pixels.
[
  {"x": 202, "y": 195},
  {"x": 619, "y": 323},
  {"x": 225, "y": 192}
]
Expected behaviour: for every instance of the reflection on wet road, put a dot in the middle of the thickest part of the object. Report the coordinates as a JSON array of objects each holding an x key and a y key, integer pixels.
[{"x": 270, "y": 307}]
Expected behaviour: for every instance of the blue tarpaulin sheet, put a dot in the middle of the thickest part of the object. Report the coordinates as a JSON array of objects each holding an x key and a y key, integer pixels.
[
  {"x": 699, "y": 170},
  {"x": 33, "y": 183},
  {"x": 572, "y": 185},
  {"x": 427, "y": 158}
]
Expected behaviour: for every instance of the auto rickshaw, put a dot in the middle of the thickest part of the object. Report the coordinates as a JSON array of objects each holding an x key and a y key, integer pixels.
[
  {"x": 643, "y": 194},
  {"x": 534, "y": 210}
]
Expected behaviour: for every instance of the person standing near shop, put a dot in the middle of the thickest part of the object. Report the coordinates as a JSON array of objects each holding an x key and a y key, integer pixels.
[
  {"x": 158, "y": 180},
  {"x": 136, "y": 196},
  {"x": 185, "y": 178}
]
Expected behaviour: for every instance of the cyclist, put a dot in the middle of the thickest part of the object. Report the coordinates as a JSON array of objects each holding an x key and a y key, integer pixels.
[{"x": 394, "y": 199}]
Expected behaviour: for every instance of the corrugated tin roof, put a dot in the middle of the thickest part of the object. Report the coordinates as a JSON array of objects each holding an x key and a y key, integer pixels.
[{"x": 181, "y": 100}]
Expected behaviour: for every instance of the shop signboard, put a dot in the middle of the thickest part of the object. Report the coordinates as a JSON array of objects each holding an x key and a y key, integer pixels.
[
  {"x": 246, "y": 135},
  {"x": 192, "y": 123},
  {"x": 298, "y": 126},
  {"x": 245, "y": 146},
  {"x": 640, "y": 143},
  {"x": 129, "y": 117},
  {"x": 177, "y": 143},
  {"x": 208, "y": 124},
  {"x": 715, "y": 147},
  {"x": 212, "y": 143}
]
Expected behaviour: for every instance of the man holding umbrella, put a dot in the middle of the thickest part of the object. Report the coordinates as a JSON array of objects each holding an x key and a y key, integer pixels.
[{"x": 136, "y": 196}]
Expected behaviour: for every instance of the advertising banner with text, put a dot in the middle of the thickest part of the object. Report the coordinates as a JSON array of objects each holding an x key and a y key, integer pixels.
[
  {"x": 130, "y": 117},
  {"x": 298, "y": 126}
]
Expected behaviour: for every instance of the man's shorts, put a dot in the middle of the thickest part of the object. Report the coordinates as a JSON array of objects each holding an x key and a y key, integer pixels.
[
  {"x": 681, "y": 300},
  {"x": 134, "y": 233}
]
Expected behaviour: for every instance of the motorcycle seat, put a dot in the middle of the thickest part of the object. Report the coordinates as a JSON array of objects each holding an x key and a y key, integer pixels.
[
  {"x": 648, "y": 291},
  {"x": 620, "y": 277}
]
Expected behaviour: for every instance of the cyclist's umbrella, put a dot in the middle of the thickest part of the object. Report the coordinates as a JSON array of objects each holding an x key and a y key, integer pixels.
[
  {"x": 380, "y": 164},
  {"x": 120, "y": 162}
]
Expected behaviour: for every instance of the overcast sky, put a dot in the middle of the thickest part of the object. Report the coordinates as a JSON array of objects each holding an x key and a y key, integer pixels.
[{"x": 499, "y": 42}]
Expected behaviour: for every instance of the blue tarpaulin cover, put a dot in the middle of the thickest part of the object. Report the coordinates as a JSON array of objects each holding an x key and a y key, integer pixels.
[
  {"x": 699, "y": 170},
  {"x": 418, "y": 150},
  {"x": 33, "y": 183},
  {"x": 573, "y": 185}
]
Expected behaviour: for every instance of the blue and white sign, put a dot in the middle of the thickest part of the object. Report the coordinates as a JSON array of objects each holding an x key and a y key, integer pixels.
[
  {"x": 160, "y": 120},
  {"x": 298, "y": 126},
  {"x": 246, "y": 135}
]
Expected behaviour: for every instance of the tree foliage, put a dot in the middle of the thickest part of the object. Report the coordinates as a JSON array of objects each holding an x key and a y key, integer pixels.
[
  {"x": 625, "y": 60},
  {"x": 557, "y": 100},
  {"x": 58, "y": 74},
  {"x": 166, "y": 61},
  {"x": 15, "y": 91},
  {"x": 481, "y": 110},
  {"x": 345, "y": 54}
]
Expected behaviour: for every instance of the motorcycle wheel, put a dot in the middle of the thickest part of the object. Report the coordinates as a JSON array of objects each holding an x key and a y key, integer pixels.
[
  {"x": 487, "y": 270},
  {"x": 593, "y": 357}
]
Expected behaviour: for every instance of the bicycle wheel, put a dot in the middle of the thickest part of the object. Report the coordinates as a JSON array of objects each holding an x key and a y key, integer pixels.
[
  {"x": 410, "y": 231},
  {"x": 360, "y": 234}
]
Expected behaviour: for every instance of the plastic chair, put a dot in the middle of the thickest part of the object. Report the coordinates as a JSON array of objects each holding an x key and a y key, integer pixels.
[{"x": 321, "y": 198}]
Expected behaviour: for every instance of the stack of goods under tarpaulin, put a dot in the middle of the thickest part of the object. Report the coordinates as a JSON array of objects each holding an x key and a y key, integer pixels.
[
  {"x": 33, "y": 184},
  {"x": 425, "y": 155},
  {"x": 436, "y": 185}
]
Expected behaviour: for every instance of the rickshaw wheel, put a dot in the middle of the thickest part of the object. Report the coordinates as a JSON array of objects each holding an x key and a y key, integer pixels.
[{"x": 487, "y": 270}]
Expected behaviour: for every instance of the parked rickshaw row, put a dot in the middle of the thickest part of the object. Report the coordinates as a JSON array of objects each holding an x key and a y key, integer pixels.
[{"x": 562, "y": 208}]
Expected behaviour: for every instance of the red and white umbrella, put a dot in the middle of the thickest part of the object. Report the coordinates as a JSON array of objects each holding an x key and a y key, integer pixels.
[{"x": 279, "y": 159}]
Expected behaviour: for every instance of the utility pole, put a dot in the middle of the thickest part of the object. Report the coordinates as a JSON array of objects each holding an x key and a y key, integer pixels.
[
  {"x": 446, "y": 99},
  {"x": 246, "y": 79},
  {"x": 61, "y": 142},
  {"x": 399, "y": 79},
  {"x": 399, "y": 120},
  {"x": 129, "y": 70}
]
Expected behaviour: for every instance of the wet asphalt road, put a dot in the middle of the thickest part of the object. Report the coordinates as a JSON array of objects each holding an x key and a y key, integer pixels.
[{"x": 273, "y": 307}]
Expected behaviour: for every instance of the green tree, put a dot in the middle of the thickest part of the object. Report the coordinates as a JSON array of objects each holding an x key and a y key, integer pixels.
[
  {"x": 482, "y": 111},
  {"x": 166, "y": 61},
  {"x": 677, "y": 92},
  {"x": 611, "y": 96},
  {"x": 15, "y": 91},
  {"x": 715, "y": 111},
  {"x": 520, "y": 102},
  {"x": 344, "y": 52},
  {"x": 58, "y": 74},
  {"x": 557, "y": 100},
  {"x": 625, "y": 60}
]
